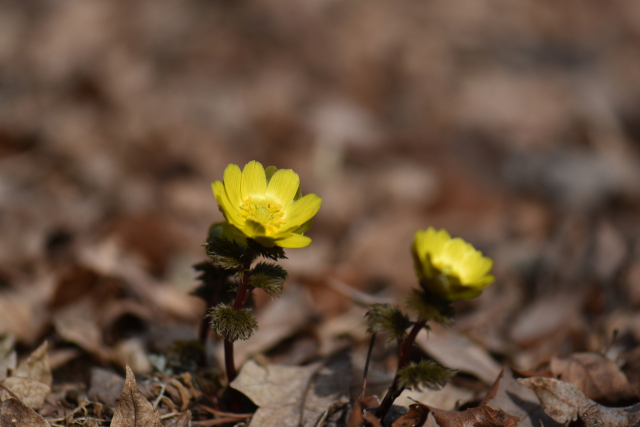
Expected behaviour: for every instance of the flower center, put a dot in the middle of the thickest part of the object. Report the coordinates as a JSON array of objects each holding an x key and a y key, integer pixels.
[{"x": 268, "y": 214}]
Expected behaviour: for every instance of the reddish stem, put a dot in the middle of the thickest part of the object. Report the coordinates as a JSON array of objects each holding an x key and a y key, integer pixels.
[
  {"x": 404, "y": 351},
  {"x": 241, "y": 298}
]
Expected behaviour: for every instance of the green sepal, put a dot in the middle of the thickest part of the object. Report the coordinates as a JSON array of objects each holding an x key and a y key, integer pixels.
[
  {"x": 429, "y": 306},
  {"x": 231, "y": 324},
  {"x": 224, "y": 253},
  {"x": 274, "y": 253},
  {"x": 214, "y": 286},
  {"x": 427, "y": 373},
  {"x": 268, "y": 277},
  {"x": 387, "y": 318}
]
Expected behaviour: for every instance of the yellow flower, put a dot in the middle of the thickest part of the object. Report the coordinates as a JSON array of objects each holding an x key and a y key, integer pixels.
[
  {"x": 266, "y": 205},
  {"x": 450, "y": 268}
]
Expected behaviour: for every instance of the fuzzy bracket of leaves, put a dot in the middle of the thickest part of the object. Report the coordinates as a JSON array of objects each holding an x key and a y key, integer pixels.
[
  {"x": 268, "y": 277},
  {"x": 273, "y": 253},
  {"x": 429, "y": 306},
  {"x": 224, "y": 253},
  {"x": 232, "y": 324},
  {"x": 427, "y": 373},
  {"x": 388, "y": 318}
]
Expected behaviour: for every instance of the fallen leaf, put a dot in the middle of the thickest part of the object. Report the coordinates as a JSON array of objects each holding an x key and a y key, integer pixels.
[
  {"x": 279, "y": 320},
  {"x": 14, "y": 413},
  {"x": 565, "y": 402},
  {"x": 36, "y": 366},
  {"x": 131, "y": 352},
  {"x": 31, "y": 392},
  {"x": 133, "y": 409},
  {"x": 291, "y": 395},
  {"x": 416, "y": 416},
  {"x": 447, "y": 398},
  {"x": 598, "y": 377},
  {"x": 516, "y": 399},
  {"x": 105, "y": 386},
  {"x": 459, "y": 352},
  {"x": 77, "y": 324},
  {"x": 482, "y": 416}
]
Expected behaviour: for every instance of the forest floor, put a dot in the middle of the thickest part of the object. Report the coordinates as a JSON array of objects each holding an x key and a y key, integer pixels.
[{"x": 514, "y": 125}]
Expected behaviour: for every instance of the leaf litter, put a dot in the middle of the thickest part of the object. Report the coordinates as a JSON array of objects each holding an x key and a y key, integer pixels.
[{"x": 119, "y": 116}]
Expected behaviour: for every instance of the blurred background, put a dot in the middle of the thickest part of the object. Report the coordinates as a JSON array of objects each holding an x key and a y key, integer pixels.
[{"x": 515, "y": 125}]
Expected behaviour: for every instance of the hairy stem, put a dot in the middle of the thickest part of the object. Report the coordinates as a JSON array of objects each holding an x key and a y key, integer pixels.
[
  {"x": 404, "y": 351},
  {"x": 241, "y": 298}
]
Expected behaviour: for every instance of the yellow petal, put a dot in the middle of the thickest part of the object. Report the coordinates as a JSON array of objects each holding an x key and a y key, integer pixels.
[
  {"x": 302, "y": 210},
  {"x": 294, "y": 241},
  {"x": 229, "y": 212},
  {"x": 254, "y": 181},
  {"x": 232, "y": 182},
  {"x": 283, "y": 186}
]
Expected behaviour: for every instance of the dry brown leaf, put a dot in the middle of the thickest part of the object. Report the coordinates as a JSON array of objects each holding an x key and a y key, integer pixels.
[
  {"x": 133, "y": 409},
  {"x": 516, "y": 399},
  {"x": 447, "y": 398},
  {"x": 598, "y": 377},
  {"x": 36, "y": 366},
  {"x": 482, "y": 416},
  {"x": 14, "y": 413},
  {"x": 565, "y": 402},
  {"x": 77, "y": 324},
  {"x": 31, "y": 392},
  {"x": 105, "y": 386},
  {"x": 416, "y": 416},
  {"x": 459, "y": 352},
  {"x": 279, "y": 320},
  {"x": 291, "y": 395}
]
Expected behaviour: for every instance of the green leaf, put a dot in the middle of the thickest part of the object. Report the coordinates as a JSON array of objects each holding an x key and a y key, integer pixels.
[
  {"x": 268, "y": 277},
  {"x": 224, "y": 253},
  {"x": 427, "y": 373},
  {"x": 430, "y": 306},
  {"x": 232, "y": 324},
  {"x": 274, "y": 253},
  {"x": 388, "y": 318},
  {"x": 215, "y": 284}
]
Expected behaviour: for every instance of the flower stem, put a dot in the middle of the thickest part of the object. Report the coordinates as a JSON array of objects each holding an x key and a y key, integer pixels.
[
  {"x": 366, "y": 365},
  {"x": 241, "y": 297},
  {"x": 404, "y": 351}
]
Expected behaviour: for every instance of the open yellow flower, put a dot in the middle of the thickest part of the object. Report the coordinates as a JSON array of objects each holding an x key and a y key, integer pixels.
[
  {"x": 266, "y": 205},
  {"x": 450, "y": 268}
]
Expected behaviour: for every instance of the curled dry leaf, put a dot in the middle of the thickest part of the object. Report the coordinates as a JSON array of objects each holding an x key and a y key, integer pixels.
[
  {"x": 598, "y": 377},
  {"x": 133, "y": 409},
  {"x": 291, "y": 395},
  {"x": 14, "y": 413},
  {"x": 565, "y": 402}
]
